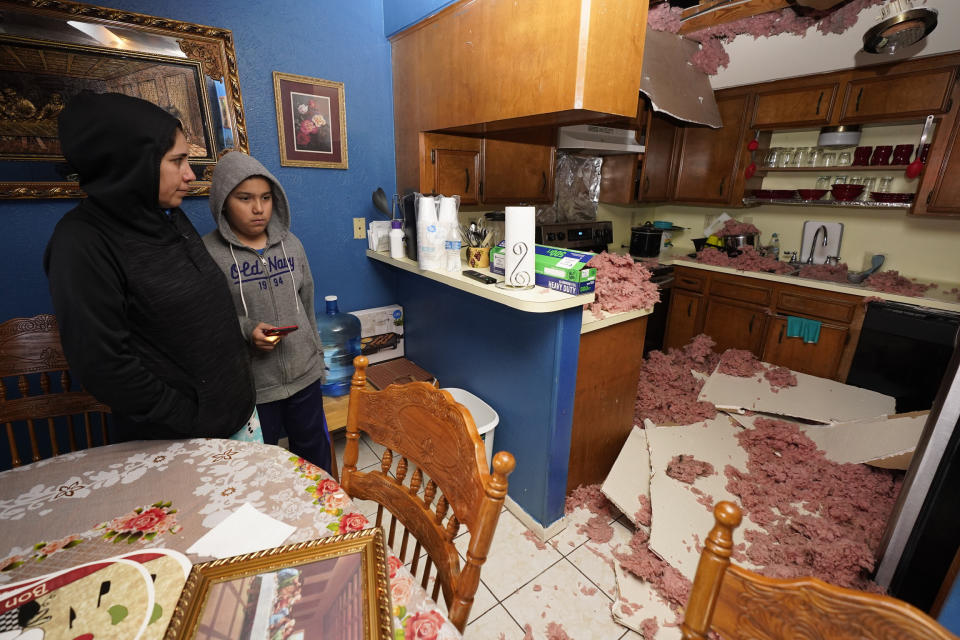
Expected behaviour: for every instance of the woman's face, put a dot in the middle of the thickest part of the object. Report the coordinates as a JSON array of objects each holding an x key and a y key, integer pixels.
[
  {"x": 249, "y": 208},
  {"x": 175, "y": 173}
]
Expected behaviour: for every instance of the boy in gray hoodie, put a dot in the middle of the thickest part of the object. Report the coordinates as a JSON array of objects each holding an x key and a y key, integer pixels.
[{"x": 267, "y": 271}]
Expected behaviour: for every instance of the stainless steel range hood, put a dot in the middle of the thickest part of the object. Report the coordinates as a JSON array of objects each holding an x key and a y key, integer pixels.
[{"x": 597, "y": 140}]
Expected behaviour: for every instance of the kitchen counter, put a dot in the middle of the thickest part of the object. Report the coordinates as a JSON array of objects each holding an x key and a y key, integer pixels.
[{"x": 938, "y": 298}]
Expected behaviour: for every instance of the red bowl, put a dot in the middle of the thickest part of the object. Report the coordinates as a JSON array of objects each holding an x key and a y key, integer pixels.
[
  {"x": 846, "y": 192},
  {"x": 891, "y": 197},
  {"x": 782, "y": 194},
  {"x": 811, "y": 194}
]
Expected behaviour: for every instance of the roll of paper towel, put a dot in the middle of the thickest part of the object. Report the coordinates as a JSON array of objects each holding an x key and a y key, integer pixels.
[{"x": 519, "y": 233}]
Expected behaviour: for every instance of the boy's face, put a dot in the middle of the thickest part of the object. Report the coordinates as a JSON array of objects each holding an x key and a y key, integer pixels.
[
  {"x": 249, "y": 207},
  {"x": 175, "y": 173}
]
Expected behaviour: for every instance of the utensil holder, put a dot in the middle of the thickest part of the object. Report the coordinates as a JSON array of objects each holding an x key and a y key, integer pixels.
[{"x": 478, "y": 257}]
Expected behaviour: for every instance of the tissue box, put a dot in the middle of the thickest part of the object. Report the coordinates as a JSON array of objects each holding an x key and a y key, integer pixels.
[
  {"x": 381, "y": 332},
  {"x": 559, "y": 269}
]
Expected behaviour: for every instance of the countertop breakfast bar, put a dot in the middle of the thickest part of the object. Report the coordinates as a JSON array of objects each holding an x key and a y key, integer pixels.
[{"x": 519, "y": 352}]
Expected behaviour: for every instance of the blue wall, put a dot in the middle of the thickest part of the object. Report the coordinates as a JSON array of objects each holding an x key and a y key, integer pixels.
[
  {"x": 343, "y": 42},
  {"x": 400, "y": 14}
]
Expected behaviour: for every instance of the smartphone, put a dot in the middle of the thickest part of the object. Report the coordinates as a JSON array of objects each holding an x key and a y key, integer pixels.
[{"x": 280, "y": 331}]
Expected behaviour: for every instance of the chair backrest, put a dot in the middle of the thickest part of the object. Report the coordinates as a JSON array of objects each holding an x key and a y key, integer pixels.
[
  {"x": 737, "y": 603},
  {"x": 432, "y": 478},
  {"x": 35, "y": 387}
]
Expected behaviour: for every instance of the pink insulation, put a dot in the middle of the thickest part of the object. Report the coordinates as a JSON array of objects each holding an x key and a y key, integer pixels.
[
  {"x": 892, "y": 282},
  {"x": 684, "y": 468},
  {"x": 740, "y": 363},
  {"x": 780, "y": 377},
  {"x": 643, "y": 563},
  {"x": 646, "y": 511},
  {"x": 820, "y": 518},
  {"x": 589, "y": 497},
  {"x": 663, "y": 17},
  {"x": 667, "y": 391},
  {"x": 555, "y": 631},
  {"x": 748, "y": 260},
  {"x": 622, "y": 285},
  {"x": 597, "y": 529},
  {"x": 736, "y": 228},
  {"x": 649, "y": 628},
  {"x": 826, "y": 272}
]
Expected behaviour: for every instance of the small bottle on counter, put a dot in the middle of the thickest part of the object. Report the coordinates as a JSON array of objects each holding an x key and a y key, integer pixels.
[
  {"x": 775, "y": 247},
  {"x": 396, "y": 239}
]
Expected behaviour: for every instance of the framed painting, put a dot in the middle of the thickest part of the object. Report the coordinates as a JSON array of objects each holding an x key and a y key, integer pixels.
[
  {"x": 311, "y": 121},
  {"x": 334, "y": 587},
  {"x": 51, "y": 52}
]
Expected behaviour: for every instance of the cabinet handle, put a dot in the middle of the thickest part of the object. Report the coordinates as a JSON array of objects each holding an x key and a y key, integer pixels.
[
  {"x": 688, "y": 281},
  {"x": 466, "y": 188},
  {"x": 689, "y": 308},
  {"x": 819, "y": 100},
  {"x": 646, "y": 184},
  {"x": 433, "y": 156},
  {"x": 859, "y": 95},
  {"x": 750, "y": 326},
  {"x": 780, "y": 337},
  {"x": 722, "y": 181},
  {"x": 543, "y": 189}
]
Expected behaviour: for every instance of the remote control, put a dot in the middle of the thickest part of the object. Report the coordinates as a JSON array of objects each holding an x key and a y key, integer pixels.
[{"x": 476, "y": 275}]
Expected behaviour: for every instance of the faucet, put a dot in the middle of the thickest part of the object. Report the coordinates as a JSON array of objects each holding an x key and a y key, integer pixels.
[{"x": 813, "y": 245}]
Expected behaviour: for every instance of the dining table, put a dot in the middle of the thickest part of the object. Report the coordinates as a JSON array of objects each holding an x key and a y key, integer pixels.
[{"x": 90, "y": 505}]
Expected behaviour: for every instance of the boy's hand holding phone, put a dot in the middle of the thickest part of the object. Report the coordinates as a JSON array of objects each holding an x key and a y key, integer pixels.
[{"x": 266, "y": 337}]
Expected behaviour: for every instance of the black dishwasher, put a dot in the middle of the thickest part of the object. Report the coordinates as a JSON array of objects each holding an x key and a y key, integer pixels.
[{"x": 903, "y": 352}]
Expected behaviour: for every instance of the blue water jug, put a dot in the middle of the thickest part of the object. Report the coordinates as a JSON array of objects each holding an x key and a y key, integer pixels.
[{"x": 340, "y": 336}]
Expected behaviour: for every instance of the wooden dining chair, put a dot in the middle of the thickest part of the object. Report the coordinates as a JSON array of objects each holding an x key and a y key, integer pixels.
[
  {"x": 433, "y": 477},
  {"x": 36, "y": 389},
  {"x": 736, "y": 603}
]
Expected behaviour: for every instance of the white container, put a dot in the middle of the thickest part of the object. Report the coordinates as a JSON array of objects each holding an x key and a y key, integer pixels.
[
  {"x": 483, "y": 414},
  {"x": 396, "y": 240}
]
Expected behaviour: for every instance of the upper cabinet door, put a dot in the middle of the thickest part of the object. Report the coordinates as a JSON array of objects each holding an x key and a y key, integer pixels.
[
  {"x": 915, "y": 94},
  {"x": 450, "y": 166},
  {"x": 659, "y": 144},
  {"x": 519, "y": 168},
  {"x": 795, "y": 107},
  {"x": 709, "y": 159}
]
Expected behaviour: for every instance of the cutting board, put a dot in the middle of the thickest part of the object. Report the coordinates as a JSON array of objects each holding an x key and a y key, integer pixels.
[{"x": 820, "y": 252}]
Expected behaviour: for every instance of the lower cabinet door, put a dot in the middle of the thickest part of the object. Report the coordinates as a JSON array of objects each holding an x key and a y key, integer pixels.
[
  {"x": 684, "y": 319},
  {"x": 821, "y": 358},
  {"x": 734, "y": 325}
]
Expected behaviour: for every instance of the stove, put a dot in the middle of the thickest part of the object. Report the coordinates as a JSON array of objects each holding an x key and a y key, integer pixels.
[{"x": 581, "y": 236}]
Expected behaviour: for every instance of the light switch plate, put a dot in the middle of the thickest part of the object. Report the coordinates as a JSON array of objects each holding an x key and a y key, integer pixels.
[{"x": 359, "y": 228}]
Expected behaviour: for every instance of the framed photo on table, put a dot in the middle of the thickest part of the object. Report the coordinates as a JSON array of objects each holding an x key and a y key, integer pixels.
[
  {"x": 311, "y": 121},
  {"x": 336, "y": 587}
]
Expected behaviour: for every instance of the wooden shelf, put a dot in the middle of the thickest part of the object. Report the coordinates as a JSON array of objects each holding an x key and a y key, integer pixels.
[
  {"x": 888, "y": 168},
  {"x": 850, "y": 204}
]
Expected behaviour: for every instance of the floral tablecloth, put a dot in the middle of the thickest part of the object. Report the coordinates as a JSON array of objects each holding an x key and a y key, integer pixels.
[{"x": 98, "y": 503}]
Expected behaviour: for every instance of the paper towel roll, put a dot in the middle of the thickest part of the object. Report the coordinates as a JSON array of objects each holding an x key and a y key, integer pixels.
[{"x": 519, "y": 233}]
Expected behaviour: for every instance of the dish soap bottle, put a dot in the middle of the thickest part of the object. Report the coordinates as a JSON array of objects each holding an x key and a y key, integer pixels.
[
  {"x": 340, "y": 337},
  {"x": 396, "y": 239},
  {"x": 775, "y": 247}
]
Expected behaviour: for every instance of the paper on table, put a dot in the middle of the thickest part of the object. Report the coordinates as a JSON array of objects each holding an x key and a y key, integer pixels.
[{"x": 244, "y": 531}]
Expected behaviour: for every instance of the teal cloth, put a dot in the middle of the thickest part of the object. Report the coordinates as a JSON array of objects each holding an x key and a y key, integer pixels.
[{"x": 805, "y": 328}]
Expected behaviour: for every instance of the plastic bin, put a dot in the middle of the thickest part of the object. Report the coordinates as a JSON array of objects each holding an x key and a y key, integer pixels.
[{"x": 483, "y": 414}]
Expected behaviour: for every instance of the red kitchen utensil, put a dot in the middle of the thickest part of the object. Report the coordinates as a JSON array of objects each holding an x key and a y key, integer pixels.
[
  {"x": 915, "y": 167},
  {"x": 750, "y": 170}
]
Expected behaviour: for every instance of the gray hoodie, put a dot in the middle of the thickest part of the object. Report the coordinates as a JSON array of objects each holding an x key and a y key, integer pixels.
[{"x": 276, "y": 288}]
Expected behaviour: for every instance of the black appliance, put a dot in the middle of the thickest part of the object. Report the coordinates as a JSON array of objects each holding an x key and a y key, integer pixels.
[
  {"x": 903, "y": 352},
  {"x": 662, "y": 276},
  {"x": 645, "y": 241},
  {"x": 408, "y": 208},
  {"x": 581, "y": 236}
]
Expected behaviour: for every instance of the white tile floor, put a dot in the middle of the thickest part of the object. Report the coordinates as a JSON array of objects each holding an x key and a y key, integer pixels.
[{"x": 569, "y": 581}]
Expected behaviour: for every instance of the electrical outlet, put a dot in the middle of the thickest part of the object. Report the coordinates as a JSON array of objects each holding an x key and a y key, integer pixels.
[{"x": 359, "y": 228}]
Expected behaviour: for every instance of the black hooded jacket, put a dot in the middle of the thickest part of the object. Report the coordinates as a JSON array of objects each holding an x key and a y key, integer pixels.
[{"x": 146, "y": 319}]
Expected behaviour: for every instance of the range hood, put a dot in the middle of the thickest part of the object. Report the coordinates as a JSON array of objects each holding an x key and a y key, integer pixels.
[{"x": 598, "y": 140}]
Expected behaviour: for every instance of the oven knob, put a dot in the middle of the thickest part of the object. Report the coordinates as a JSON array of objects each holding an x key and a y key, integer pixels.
[
  {"x": 561, "y": 235},
  {"x": 551, "y": 236}
]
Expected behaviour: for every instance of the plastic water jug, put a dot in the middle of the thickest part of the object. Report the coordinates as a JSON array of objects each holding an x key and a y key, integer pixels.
[{"x": 340, "y": 335}]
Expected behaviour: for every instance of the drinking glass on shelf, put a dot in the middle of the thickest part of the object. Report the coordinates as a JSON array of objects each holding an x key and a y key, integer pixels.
[
  {"x": 813, "y": 157},
  {"x": 840, "y": 180},
  {"x": 885, "y": 182},
  {"x": 772, "y": 157},
  {"x": 844, "y": 159},
  {"x": 869, "y": 185},
  {"x": 828, "y": 159},
  {"x": 823, "y": 182},
  {"x": 800, "y": 157},
  {"x": 786, "y": 158}
]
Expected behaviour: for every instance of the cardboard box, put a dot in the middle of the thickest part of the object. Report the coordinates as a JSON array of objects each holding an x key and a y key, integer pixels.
[
  {"x": 381, "y": 332},
  {"x": 559, "y": 269}
]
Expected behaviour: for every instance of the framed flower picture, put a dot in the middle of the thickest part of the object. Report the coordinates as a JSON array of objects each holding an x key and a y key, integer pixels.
[{"x": 311, "y": 121}]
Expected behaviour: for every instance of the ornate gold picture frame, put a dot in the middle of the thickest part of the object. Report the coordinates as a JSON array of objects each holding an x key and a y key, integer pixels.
[
  {"x": 52, "y": 50},
  {"x": 338, "y": 586},
  {"x": 311, "y": 121}
]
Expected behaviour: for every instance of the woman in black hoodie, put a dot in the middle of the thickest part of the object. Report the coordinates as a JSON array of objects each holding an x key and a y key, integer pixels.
[{"x": 146, "y": 319}]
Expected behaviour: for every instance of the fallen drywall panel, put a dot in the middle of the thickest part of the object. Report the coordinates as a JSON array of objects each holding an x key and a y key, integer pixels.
[
  {"x": 813, "y": 398},
  {"x": 638, "y": 601},
  {"x": 683, "y": 513},
  {"x": 629, "y": 477}
]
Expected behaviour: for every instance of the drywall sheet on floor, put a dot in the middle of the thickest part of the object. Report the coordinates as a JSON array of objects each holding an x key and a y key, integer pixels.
[
  {"x": 887, "y": 442},
  {"x": 683, "y": 513},
  {"x": 629, "y": 477},
  {"x": 637, "y": 601},
  {"x": 813, "y": 398}
]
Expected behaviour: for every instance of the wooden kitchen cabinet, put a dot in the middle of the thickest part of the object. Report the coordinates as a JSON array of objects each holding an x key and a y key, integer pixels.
[
  {"x": 660, "y": 143},
  {"x": 938, "y": 193},
  {"x": 518, "y": 168},
  {"x": 608, "y": 370},
  {"x": 795, "y": 107},
  {"x": 709, "y": 161},
  {"x": 742, "y": 312},
  {"x": 872, "y": 96},
  {"x": 618, "y": 178},
  {"x": 450, "y": 165},
  {"x": 821, "y": 358}
]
